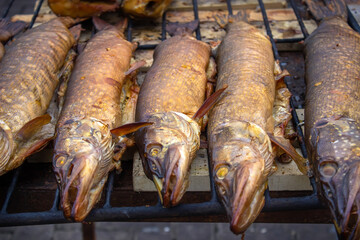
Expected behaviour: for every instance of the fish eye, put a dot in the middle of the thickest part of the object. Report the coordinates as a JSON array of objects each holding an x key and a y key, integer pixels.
[
  {"x": 154, "y": 149},
  {"x": 222, "y": 171},
  {"x": 60, "y": 161},
  {"x": 328, "y": 169}
]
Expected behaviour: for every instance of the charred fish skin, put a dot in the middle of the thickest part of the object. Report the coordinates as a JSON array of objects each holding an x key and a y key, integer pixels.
[
  {"x": 332, "y": 117},
  {"x": 145, "y": 8},
  {"x": 84, "y": 145},
  {"x": 172, "y": 92},
  {"x": 79, "y": 8},
  {"x": 239, "y": 147},
  {"x": 28, "y": 78}
]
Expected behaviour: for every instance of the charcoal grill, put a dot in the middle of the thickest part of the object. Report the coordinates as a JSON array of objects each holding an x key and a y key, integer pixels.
[{"x": 299, "y": 207}]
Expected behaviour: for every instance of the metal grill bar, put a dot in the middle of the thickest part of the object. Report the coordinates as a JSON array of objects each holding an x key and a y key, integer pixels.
[
  {"x": 298, "y": 17},
  {"x": 10, "y": 190},
  {"x": 196, "y": 16},
  {"x": 36, "y": 13},
  {"x": 6, "y": 12}
]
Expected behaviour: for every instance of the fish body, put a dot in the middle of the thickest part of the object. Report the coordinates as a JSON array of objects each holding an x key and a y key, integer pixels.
[
  {"x": 332, "y": 118},
  {"x": 145, "y": 8},
  {"x": 28, "y": 78},
  {"x": 79, "y": 8},
  {"x": 240, "y": 149},
  {"x": 172, "y": 92},
  {"x": 84, "y": 146}
]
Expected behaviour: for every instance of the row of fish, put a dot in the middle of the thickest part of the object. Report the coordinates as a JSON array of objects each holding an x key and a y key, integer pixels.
[{"x": 94, "y": 109}]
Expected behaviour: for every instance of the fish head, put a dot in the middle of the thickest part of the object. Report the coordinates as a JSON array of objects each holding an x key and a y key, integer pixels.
[
  {"x": 78, "y": 170},
  {"x": 166, "y": 155},
  {"x": 242, "y": 157},
  {"x": 240, "y": 184},
  {"x": 335, "y": 149}
]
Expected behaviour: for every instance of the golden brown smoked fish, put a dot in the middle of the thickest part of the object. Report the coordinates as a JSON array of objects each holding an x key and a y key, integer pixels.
[
  {"x": 145, "y": 8},
  {"x": 241, "y": 124},
  {"x": 28, "y": 78},
  {"x": 8, "y": 29},
  {"x": 172, "y": 92},
  {"x": 80, "y": 8},
  {"x": 332, "y": 119},
  {"x": 84, "y": 146}
]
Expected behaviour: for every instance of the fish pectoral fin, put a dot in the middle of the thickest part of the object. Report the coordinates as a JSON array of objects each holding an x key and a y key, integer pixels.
[
  {"x": 284, "y": 73},
  {"x": 129, "y": 128},
  {"x": 208, "y": 104},
  {"x": 32, "y": 127},
  {"x": 36, "y": 147},
  {"x": 101, "y": 24},
  {"x": 135, "y": 67},
  {"x": 76, "y": 32},
  {"x": 302, "y": 163}
]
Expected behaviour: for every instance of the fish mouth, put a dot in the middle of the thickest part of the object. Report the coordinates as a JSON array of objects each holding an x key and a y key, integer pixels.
[
  {"x": 6, "y": 147},
  {"x": 173, "y": 185},
  {"x": 244, "y": 196},
  {"x": 342, "y": 193},
  {"x": 79, "y": 194}
]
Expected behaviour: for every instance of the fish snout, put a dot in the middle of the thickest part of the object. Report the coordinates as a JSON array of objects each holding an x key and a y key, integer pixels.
[
  {"x": 175, "y": 181},
  {"x": 77, "y": 200},
  {"x": 347, "y": 183},
  {"x": 245, "y": 195}
]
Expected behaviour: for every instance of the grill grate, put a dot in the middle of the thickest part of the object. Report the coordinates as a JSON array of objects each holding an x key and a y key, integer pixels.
[{"x": 142, "y": 213}]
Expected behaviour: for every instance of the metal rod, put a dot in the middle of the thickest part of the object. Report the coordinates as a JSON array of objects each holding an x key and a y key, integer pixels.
[
  {"x": 289, "y": 40},
  {"x": 147, "y": 46},
  {"x": 229, "y": 7},
  {"x": 10, "y": 190},
  {"x": 163, "y": 27},
  {"x": 196, "y": 16},
  {"x": 129, "y": 31},
  {"x": 36, "y": 13},
  {"x": 109, "y": 189},
  {"x": 6, "y": 12},
  {"x": 88, "y": 231},
  {"x": 56, "y": 201},
  {"x": 300, "y": 21}
]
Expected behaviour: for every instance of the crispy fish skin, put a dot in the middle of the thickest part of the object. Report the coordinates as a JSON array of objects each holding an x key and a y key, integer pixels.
[
  {"x": 84, "y": 145},
  {"x": 332, "y": 118},
  {"x": 172, "y": 92},
  {"x": 145, "y": 8},
  {"x": 239, "y": 147},
  {"x": 79, "y": 9},
  {"x": 28, "y": 78}
]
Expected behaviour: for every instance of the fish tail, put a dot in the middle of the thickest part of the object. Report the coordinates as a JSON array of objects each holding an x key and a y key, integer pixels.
[
  {"x": 101, "y": 24},
  {"x": 6, "y": 146},
  {"x": 177, "y": 28},
  {"x": 327, "y": 9}
]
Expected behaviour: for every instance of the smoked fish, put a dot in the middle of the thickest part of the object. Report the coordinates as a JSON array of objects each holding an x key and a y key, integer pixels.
[
  {"x": 84, "y": 146},
  {"x": 29, "y": 75},
  {"x": 171, "y": 94},
  {"x": 332, "y": 117},
  {"x": 80, "y": 8},
  {"x": 245, "y": 121},
  {"x": 145, "y": 8}
]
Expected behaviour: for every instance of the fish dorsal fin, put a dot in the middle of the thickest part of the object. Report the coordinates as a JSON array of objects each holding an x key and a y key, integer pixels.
[
  {"x": 208, "y": 104},
  {"x": 285, "y": 145},
  {"x": 100, "y": 24},
  {"x": 129, "y": 128},
  {"x": 33, "y": 126},
  {"x": 135, "y": 67}
]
